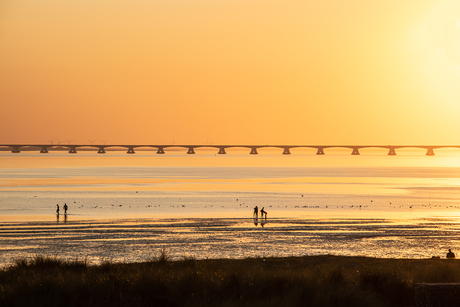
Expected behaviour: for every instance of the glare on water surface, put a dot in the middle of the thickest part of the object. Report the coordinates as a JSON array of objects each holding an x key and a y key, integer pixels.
[{"x": 372, "y": 204}]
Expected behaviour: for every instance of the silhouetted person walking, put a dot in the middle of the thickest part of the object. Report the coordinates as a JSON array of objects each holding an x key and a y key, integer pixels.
[
  {"x": 450, "y": 255},
  {"x": 65, "y": 209},
  {"x": 256, "y": 212},
  {"x": 262, "y": 212},
  {"x": 57, "y": 209}
]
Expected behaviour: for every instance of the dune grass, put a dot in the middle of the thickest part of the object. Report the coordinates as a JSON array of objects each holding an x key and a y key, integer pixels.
[{"x": 295, "y": 281}]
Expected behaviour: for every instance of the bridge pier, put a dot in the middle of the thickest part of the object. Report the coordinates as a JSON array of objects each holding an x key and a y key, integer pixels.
[
  {"x": 253, "y": 151},
  {"x": 286, "y": 151},
  {"x": 430, "y": 152},
  {"x": 73, "y": 149},
  {"x": 355, "y": 151},
  {"x": 221, "y": 151},
  {"x": 392, "y": 152},
  {"x": 191, "y": 151},
  {"x": 160, "y": 151},
  {"x": 320, "y": 151},
  {"x": 44, "y": 150},
  {"x": 130, "y": 150},
  {"x": 16, "y": 149},
  {"x": 101, "y": 150}
]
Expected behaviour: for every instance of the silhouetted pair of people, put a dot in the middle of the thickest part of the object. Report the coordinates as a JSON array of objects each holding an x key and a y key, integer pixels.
[
  {"x": 65, "y": 209},
  {"x": 262, "y": 212}
]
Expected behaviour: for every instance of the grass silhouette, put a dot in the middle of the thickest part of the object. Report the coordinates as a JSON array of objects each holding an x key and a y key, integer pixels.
[{"x": 294, "y": 281}]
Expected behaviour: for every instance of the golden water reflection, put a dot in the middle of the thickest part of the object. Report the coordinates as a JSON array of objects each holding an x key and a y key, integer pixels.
[
  {"x": 136, "y": 239},
  {"x": 334, "y": 157}
]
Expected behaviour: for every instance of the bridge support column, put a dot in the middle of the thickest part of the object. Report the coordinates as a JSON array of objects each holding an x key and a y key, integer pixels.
[
  {"x": 253, "y": 151},
  {"x": 430, "y": 152},
  {"x": 392, "y": 152},
  {"x": 15, "y": 149},
  {"x": 73, "y": 149},
  {"x": 101, "y": 150},
  {"x": 286, "y": 151},
  {"x": 160, "y": 151},
  {"x": 130, "y": 150},
  {"x": 355, "y": 151},
  {"x": 191, "y": 151},
  {"x": 320, "y": 151},
  {"x": 44, "y": 150},
  {"x": 222, "y": 151}
]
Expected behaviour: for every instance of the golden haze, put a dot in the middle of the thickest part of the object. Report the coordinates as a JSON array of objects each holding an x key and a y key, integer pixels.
[{"x": 246, "y": 72}]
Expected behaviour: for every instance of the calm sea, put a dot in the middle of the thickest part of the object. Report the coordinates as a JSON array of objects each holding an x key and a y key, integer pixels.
[{"x": 127, "y": 207}]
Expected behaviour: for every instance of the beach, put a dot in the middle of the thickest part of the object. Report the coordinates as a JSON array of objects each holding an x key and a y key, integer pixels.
[
  {"x": 127, "y": 207},
  {"x": 135, "y": 240}
]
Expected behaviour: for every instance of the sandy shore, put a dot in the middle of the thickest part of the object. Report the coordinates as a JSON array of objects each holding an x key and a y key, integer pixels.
[{"x": 134, "y": 240}]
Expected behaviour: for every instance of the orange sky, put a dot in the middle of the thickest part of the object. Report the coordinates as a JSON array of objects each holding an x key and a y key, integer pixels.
[{"x": 230, "y": 71}]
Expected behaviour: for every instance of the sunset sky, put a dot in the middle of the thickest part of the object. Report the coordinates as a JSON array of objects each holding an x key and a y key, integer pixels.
[{"x": 230, "y": 71}]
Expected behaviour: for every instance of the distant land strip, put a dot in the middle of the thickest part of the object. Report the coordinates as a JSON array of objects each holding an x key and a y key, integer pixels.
[{"x": 160, "y": 149}]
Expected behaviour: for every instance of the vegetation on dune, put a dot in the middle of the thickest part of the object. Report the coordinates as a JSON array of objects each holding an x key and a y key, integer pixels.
[{"x": 296, "y": 281}]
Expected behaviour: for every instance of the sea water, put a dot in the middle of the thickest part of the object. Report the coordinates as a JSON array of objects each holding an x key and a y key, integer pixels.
[{"x": 127, "y": 207}]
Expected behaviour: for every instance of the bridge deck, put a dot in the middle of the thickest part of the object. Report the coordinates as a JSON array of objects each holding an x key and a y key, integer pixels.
[{"x": 16, "y": 148}]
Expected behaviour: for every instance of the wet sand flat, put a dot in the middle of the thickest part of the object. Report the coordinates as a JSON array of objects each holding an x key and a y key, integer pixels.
[{"x": 134, "y": 240}]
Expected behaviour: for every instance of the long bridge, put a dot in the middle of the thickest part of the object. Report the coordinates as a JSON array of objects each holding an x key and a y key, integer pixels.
[{"x": 160, "y": 149}]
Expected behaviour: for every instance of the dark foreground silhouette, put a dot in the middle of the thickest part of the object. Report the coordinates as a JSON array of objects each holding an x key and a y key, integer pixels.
[
  {"x": 296, "y": 281},
  {"x": 450, "y": 255}
]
